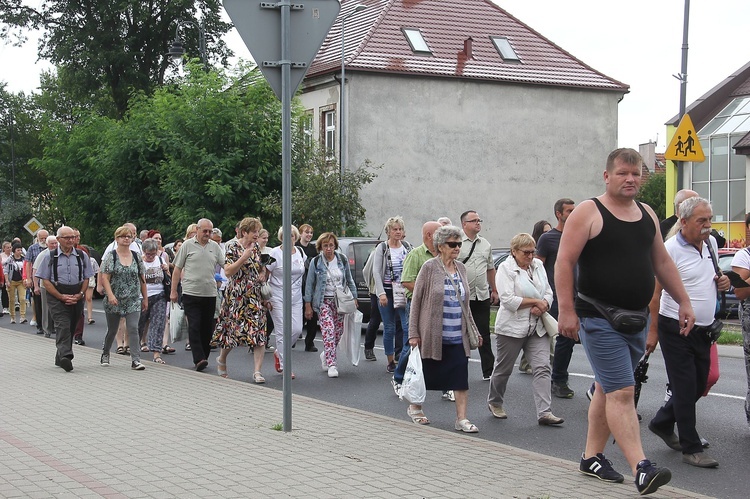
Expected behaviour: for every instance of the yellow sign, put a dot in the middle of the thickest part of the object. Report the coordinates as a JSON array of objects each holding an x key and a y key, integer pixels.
[
  {"x": 33, "y": 226},
  {"x": 685, "y": 145}
]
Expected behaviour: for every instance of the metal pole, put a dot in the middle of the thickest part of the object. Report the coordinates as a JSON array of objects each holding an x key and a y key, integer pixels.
[
  {"x": 286, "y": 204},
  {"x": 683, "y": 84},
  {"x": 13, "y": 157},
  {"x": 342, "y": 121}
]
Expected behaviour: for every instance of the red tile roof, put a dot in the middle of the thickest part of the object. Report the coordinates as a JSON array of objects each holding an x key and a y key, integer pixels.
[{"x": 375, "y": 42}]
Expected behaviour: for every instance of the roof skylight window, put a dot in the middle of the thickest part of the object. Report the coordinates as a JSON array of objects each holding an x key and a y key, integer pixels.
[
  {"x": 416, "y": 41},
  {"x": 505, "y": 49}
]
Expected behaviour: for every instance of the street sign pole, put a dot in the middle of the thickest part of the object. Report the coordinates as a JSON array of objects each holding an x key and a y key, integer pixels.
[
  {"x": 286, "y": 205},
  {"x": 256, "y": 22}
]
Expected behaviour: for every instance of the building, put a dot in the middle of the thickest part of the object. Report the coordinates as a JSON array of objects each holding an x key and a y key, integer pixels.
[
  {"x": 466, "y": 107},
  {"x": 722, "y": 120}
]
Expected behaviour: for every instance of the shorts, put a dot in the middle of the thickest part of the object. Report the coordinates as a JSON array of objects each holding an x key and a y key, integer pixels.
[{"x": 613, "y": 355}]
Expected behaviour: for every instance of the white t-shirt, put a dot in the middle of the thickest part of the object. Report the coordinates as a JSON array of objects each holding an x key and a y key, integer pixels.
[
  {"x": 276, "y": 280},
  {"x": 154, "y": 277},
  {"x": 697, "y": 274},
  {"x": 741, "y": 259},
  {"x": 334, "y": 276}
]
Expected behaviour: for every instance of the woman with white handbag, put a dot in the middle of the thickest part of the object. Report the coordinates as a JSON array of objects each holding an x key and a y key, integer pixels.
[
  {"x": 329, "y": 288},
  {"x": 525, "y": 296}
]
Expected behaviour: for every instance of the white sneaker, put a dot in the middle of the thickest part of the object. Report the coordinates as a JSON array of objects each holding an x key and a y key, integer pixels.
[
  {"x": 32, "y": 323},
  {"x": 6, "y": 311},
  {"x": 333, "y": 372}
]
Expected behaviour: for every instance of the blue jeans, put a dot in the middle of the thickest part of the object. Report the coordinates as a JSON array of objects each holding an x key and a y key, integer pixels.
[
  {"x": 403, "y": 359},
  {"x": 389, "y": 314}
]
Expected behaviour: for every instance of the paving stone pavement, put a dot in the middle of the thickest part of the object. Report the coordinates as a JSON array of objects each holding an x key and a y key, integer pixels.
[{"x": 169, "y": 432}]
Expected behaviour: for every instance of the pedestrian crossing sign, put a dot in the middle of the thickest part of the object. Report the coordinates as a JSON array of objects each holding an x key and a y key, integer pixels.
[{"x": 685, "y": 145}]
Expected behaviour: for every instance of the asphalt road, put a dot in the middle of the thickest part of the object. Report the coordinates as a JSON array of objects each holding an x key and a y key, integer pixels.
[{"x": 367, "y": 387}]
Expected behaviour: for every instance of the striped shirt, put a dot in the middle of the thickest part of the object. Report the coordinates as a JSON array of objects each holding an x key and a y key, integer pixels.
[{"x": 452, "y": 311}]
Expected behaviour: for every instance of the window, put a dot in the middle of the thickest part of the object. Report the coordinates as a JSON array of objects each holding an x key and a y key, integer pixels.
[
  {"x": 505, "y": 49},
  {"x": 416, "y": 41},
  {"x": 721, "y": 177},
  {"x": 329, "y": 119}
]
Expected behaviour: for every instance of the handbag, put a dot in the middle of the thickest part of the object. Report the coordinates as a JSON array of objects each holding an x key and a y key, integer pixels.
[
  {"x": 344, "y": 300},
  {"x": 413, "y": 387},
  {"x": 166, "y": 281},
  {"x": 177, "y": 324},
  {"x": 399, "y": 291},
  {"x": 621, "y": 319},
  {"x": 471, "y": 326},
  {"x": 550, "y": 324},
  {"x": 265, "y": 291}
]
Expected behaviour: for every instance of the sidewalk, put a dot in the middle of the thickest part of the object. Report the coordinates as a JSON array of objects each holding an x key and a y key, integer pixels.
[{"x": 169, "y": 432}]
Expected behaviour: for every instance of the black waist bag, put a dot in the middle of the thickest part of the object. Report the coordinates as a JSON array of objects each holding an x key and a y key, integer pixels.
[{"x": 622, "y": 320}]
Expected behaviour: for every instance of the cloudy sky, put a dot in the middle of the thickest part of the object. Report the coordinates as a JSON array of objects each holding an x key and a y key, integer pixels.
[{"x": 637, "y": 42}]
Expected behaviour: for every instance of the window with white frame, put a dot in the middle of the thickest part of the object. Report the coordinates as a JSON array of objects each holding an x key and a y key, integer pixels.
[{"x": 329, "y": 120}]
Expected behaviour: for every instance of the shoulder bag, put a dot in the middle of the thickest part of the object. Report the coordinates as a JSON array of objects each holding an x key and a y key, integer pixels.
[
  {"x": 399, "y": 291},
  {"x": 344, "y": 299},
  {"x": 471, "y": 326}
]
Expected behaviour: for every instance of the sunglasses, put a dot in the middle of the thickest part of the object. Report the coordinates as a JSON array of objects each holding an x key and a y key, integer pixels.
[
  {"x": 453, "y": 244},
  {"x": 527, "y": 252}
]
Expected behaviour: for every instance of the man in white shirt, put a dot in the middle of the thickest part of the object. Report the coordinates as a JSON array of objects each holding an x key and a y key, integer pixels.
[{"x": 687, "y": 355}]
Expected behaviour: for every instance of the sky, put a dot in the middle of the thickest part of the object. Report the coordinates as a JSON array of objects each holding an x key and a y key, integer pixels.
[{"x": 637, "y": 42}]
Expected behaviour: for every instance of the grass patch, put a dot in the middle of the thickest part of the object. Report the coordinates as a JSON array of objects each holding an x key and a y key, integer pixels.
[{"x": 278, "y": 427}]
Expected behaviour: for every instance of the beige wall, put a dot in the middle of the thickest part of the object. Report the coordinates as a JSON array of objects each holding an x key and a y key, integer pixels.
[{"x": 447, "y": 145}]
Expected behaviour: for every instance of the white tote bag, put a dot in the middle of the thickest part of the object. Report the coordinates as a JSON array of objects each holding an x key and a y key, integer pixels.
[
  {"x": 350, "y": 340},
  {"x": 177, "y": 323}
]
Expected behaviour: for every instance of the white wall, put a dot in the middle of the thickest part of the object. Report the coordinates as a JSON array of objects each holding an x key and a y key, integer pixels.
[{"x": 448, "y": 145}]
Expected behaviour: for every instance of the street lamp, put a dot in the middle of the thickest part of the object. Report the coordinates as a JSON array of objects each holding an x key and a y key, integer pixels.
[
  {"x": 177, "y": 50},
  {"x": 342, "y": 107}
]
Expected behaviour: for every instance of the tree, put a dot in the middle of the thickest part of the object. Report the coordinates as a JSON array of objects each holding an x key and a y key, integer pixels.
[
  {"x": 108, "y": 49},
  {"x": 654, "y": 194}
]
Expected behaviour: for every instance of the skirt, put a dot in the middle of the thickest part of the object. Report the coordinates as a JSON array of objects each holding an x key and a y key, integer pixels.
[{"x": 450, "y": 373}]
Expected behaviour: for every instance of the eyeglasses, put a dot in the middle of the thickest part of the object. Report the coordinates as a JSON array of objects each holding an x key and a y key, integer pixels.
[
  {"x": 527, "y": 252},
  {"x": 66, "y": 237},
  {"x": 126, "y": 237},
  {"x": 453, "y": 244},
  {"x": 476, "y": 220}
]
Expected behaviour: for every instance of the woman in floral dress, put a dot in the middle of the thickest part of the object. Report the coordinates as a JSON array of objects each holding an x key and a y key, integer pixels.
[{"x": 242, "y": 320}]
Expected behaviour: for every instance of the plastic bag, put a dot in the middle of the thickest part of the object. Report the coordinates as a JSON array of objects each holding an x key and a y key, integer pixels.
[
  {"x": 349, "y": 343},
  {"x": 177, "y": 323},
  {"x": 413, "y": 388}
]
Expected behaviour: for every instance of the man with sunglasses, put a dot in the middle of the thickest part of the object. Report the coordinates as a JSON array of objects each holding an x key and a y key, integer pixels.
[{"x": 476, "y": 255}]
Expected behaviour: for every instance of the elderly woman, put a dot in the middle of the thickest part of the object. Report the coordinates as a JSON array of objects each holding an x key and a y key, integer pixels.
[
  {"x": 437, "y": 325},
  {"x": 276, "y": 280},
  {"x": 525, "y": 294},
  {"x": 13, "y": 268},
  {"x": 122, "y": 274},
  {"x": 7, "y": 252},
  {"x": 386, "y": 270},
  {"x": 242, "y": 319},
  {"x": 327, "y": 272},
  {"x": 153, "y": 319}
]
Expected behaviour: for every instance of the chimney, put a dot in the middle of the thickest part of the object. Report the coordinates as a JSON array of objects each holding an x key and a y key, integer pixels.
[
  {"x": 648, "y": 153},
  {"x": 467, "y": 48}
]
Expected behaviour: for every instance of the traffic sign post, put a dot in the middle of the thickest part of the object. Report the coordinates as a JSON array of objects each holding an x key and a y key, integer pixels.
[
  {"x": 685, "y": 145},
  {"x": 283, "y": 46}
]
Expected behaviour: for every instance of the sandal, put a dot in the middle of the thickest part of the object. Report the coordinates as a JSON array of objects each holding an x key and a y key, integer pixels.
[
  {"x": 91, "y": 321},
  {"x": 126, "y": 350},
  {"x": 187, "y": 346},
  {"x": 258, "y": 378},
  {"x": 120, "y": 351},
  {"x": 167, "y": 349},
  {"x": 221, "y": 369},
  {"x": 144, "y": 347},
  {"x": 466, "y": 426},
  {"x": 159, "y": 360},
  {"x": 417, "y": 416}
]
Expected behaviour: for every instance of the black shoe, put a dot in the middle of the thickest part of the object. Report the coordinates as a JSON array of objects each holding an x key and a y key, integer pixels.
[
  {"x": 79, "y": 341},
  {"x": 370, "y": 354},
  {"x": 47, "y": 335},
  {"x": 391, "y": 368},
  {"x": 201, "y": 365},
  {"x": 311, "y": 349},
  {"x": 562, "y": 391},
  {"x": 38, "y": 331},
  {"x": 66, "y": 364},
  {"x": 600, "y": 467},
  {"x": 669, "y": 438},
  {"x": 648, "y": 477}
]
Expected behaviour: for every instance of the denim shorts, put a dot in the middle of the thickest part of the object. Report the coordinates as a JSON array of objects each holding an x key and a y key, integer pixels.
[{"x": 613, "y": 355}]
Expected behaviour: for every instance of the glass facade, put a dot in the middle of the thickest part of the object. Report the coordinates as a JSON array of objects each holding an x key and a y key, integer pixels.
[{"x": 721, "y": 177}]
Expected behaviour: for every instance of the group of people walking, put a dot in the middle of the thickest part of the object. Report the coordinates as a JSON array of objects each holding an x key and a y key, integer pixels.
[{"x": 590, "y": 278}]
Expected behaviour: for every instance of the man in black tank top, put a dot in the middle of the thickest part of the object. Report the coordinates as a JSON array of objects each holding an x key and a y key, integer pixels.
[{"x": 618, "y": 248}]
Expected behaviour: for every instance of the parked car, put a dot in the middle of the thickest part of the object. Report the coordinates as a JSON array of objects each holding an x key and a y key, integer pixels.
[
  {"x": 730, "y": 305},
  {"x": 499, "y": 255},
  {"x": 357, "y": 249}
]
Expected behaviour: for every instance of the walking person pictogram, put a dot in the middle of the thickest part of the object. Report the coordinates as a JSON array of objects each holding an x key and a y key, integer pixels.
[
  {"x": 688, "y": 143},
  {"x": 678, "y": 146}
]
